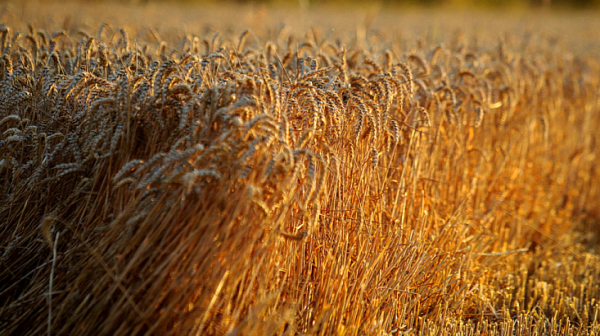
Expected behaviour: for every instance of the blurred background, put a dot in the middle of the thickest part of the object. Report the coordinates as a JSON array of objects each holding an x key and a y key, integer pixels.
[
  {"x": 557, "y": 4},
  {"x": 350, "y": 21},
  {"x": 448, "y": 3}
]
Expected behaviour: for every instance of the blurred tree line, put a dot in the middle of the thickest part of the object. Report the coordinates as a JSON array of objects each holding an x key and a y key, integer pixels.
[
  {"x": 455, "y": 3},
  {"x": 505, "y": 3}
]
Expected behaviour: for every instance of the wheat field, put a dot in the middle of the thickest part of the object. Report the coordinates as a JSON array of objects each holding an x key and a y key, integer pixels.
[{"x": 172, "y": 170}]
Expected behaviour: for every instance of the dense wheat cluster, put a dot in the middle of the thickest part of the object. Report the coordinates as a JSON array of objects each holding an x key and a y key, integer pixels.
[{"x": 303, "y": 185}]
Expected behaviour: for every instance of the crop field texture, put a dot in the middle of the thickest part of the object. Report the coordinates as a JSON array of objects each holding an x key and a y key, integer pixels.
[{"x": 298, "y": 173}]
